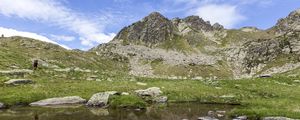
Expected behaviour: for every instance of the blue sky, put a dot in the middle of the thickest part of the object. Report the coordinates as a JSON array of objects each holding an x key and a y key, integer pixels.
[{"x": 82, "y": 24}]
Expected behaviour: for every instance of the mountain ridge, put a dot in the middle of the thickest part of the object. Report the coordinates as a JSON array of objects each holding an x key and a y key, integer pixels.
[{"x": 187, "y": 48}]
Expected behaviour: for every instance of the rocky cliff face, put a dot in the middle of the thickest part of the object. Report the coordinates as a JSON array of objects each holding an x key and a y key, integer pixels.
[{"x": 193, "y": 48}]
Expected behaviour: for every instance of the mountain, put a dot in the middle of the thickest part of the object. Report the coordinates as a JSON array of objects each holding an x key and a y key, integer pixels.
[
  {"x": 193, "y": 48},
  {"x": 178, "y": 48}
]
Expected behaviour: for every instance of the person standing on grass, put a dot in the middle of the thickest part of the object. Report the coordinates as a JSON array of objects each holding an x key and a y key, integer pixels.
[{"x": 35, "y": 64}]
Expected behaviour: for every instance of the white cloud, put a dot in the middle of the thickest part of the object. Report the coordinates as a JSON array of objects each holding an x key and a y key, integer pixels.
[
  {"x": 62, "y": 38},
  {"x": 7, "y": 32},
  {"x": 53, "y": 12},
  {"x": 227, "y": 15}
]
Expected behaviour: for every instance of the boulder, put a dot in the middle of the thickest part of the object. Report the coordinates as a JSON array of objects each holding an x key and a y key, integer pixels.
[
  {"x": 59, "y": 101},
  {"x": 152, "y": 92},
  {"x": 99, "y": 99},
  {"x": 160, "y": 99},
  {"x": 277, "y": 118},
  {"x": 18, "y": 81}
]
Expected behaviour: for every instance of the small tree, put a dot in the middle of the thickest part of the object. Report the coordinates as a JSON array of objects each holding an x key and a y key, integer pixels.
[{"x": 2, "y": 35}]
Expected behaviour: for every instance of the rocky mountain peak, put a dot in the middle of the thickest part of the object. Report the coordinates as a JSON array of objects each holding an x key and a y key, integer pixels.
[
  {"x": 153, "y": 29},
  {"x": 198, "y": 23},
  {"x": 288, "y": 24},
  {"x": 155, "y": 15}
]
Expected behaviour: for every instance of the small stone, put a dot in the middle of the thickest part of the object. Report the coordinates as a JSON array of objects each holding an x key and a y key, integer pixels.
[
  {"x": 142, "y": 84},
  {"x": 18, "y": 81},
  {"x": 2, "y": 105},
  {"x": 241, "y": 118},
  {"x": 207, "y": 118},
  {"x": 211, "y": 113},
  {"x": 124, "y": 93},
  {"x": 221, "y": 112},
  {"x": 296, "y": 81},
  {"x": 277, "y": 118},
  {"x": 59, "y": 101},
  {"x": 220, "y": 115}
]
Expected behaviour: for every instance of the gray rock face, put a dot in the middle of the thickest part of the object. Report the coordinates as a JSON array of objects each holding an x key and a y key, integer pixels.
[
  {"x": 99, "y": 99},
  {"x": 277, "y": 118},
  {"x": 2, "y": 105},
  {"x": 59, "y": 101},
  {"x": 18, "y": 81},
  {"x": 152, "y": 92},
  {"x": 198, "y": 23},
  {"x": 239, "y": 53}
]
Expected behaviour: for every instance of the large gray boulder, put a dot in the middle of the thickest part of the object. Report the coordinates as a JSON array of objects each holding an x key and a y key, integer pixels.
[
  {"x": 18, "y": 81},
  {"x": 152, "y": 92},
  {"x": 59, "y": 101},
  {"x": 100, "y": 99}
]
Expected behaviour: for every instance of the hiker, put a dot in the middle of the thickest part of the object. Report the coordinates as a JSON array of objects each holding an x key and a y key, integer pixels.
[{"x": 35, "y": 64}]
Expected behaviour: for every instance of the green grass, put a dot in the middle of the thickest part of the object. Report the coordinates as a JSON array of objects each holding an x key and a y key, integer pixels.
[
  {"x": 257, "y": 97},
  {"x": 127, "y": 101}
]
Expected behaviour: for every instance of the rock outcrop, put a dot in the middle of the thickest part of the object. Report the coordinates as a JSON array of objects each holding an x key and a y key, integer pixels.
[
  {"x": 18, "y": 81},
  {"x": 100, "y": 99},
  {"x": 152, "y": 92},
  {"x": 59, "y": 101}
]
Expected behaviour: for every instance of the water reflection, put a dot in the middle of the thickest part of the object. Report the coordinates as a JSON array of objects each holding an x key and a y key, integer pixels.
[{"x": 173, "y": 111}]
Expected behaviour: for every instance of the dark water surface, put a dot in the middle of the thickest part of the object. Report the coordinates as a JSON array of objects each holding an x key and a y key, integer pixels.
[{"x": 175, "y": 111}]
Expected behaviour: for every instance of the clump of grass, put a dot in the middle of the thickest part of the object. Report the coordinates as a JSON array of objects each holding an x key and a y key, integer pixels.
[{"x": 127, "y": 101}]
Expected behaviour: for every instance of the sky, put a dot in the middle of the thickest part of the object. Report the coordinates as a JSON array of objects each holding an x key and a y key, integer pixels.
[{"x": 83, "y": 24}]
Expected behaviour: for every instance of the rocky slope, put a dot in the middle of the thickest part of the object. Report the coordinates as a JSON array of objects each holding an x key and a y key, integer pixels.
[{"x": 193, "y": 48}]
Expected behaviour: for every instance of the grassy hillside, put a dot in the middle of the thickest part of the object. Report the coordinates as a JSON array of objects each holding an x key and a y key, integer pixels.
[{"x": 19, "y": 52}]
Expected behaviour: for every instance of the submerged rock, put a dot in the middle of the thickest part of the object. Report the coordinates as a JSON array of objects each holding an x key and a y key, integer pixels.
[
  {"x": 18, "y": 81},
  {"x": 59, "y": 101},
  {"x": 99, "y": 112},
  {"x": 153, "y": 92}
]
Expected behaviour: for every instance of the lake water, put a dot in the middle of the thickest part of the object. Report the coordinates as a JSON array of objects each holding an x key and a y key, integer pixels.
[{"x": 174, "y": 111}]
